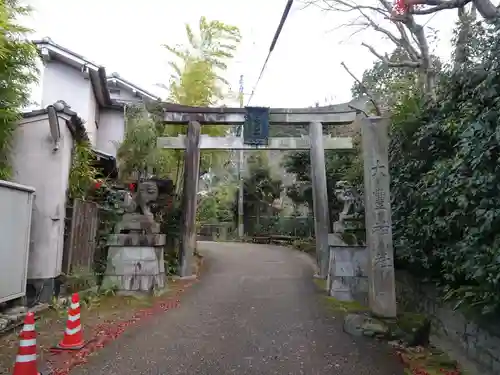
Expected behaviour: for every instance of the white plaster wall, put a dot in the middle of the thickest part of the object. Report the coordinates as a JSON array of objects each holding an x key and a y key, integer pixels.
[
  {"x": 63, "y": 82},
  {"x": 111, "y": 130},
  {"x": 36, "y": 89},
  {"x": 35, "y": 164}
]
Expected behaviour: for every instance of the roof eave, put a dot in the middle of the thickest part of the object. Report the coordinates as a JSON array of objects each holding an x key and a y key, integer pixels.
[
  {"x": 133, "y": 87},
  {"x": 96, "y": 73},
  {"x": 64, "y": 52},
  {"x": 74, "y": 122}
]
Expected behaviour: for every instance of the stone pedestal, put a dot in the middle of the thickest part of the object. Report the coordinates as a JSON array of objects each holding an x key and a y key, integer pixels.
[
  {"x": 135, "y": 262},
  {"x": 349, "y": 273}
]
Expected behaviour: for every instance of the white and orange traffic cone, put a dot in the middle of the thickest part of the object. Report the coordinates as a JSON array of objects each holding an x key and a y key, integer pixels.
[
  {"x": 73, "y": 335},
  {"x": 26, "y": 359}
]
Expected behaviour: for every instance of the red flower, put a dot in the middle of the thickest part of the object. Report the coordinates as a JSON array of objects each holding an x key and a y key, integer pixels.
[
  {"x": 400, "y": 6},
  {"x": 98, "y": 185}
]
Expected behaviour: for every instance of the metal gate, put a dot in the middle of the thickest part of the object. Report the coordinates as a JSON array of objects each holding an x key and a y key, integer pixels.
[{"x": 80, "y": 236}]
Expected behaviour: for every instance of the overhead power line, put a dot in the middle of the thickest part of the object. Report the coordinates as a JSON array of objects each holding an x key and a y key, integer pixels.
[{"x": 273, "y": 44}]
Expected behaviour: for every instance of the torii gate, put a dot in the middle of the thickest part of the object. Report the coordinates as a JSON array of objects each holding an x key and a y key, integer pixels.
[{"x": 376, "y": 167}]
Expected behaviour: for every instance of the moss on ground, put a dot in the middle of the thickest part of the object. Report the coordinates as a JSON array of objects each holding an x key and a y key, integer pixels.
[
  {"x": 428, "y": 361},
  {"x": 306, "y": 245},
  {"x": 344, "y": 306},
  {"x": 320, "y": 283},
  {"x": 408, "y": 321},
  {"x": 417, "y": 360}
]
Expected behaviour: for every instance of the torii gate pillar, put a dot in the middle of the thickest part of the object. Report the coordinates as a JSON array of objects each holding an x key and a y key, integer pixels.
[
  {"x": 189, "y": 199},
  {"x": 320, "y": 197}
]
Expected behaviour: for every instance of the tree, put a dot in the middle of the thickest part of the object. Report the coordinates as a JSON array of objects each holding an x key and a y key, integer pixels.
[
  {"x": 260, "y": 190},
  {"x": 298, "y": 163},
  {"x": 138, "y": 154},
  {"x": 397, "y": 22},
  {"x": 339, "y": 166},
  {"x": 444, "y": 176},
  {"x": 485, "y": 8},
  {"x": 216, "y": 206},
  {"x": 198, "y": 78},
  {"x": 197, "y": 81},
  {"x": 17, "y": 72},
  {"x": 405, "y": 33},
  {"x": 387, "y": 85}
]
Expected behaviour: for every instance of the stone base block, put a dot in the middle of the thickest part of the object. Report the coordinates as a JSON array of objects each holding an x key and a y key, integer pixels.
[
  {"x": 135, "y": 269},
  {"x": 136, "y": 239},
  {"x": 349, "y": 273}
]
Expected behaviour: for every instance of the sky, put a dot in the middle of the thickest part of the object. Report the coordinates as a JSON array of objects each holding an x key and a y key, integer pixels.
[{"x": 126, "y": 37}]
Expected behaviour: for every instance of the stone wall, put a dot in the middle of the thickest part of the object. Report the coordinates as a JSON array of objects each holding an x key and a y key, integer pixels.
[{"x": 478, "y": 341}]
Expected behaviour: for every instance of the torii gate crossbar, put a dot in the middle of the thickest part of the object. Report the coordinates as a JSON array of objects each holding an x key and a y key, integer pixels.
[{"x": 375, "y": 149}]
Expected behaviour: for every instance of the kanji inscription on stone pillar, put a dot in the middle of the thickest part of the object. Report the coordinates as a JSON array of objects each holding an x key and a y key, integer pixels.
[{"x": 375, "y": 140}]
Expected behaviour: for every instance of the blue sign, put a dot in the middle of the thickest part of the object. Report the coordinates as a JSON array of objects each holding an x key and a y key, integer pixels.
[{"x": 256, "y": 127}]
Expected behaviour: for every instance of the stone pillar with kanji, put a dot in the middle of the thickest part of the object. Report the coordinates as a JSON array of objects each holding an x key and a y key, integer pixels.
[{"x": 375, "y": 142}]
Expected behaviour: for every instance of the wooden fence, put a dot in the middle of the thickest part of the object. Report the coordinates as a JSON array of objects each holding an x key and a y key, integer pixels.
[{"x": 82, "y": 220}]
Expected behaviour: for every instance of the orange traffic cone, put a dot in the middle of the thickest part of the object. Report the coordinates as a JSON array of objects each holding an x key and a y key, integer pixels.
[
  {"x": 73, "y": 335},
  {"x": 26, "y": 355}
]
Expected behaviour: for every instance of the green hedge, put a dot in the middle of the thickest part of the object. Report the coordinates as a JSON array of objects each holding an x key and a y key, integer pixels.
[{"x": 445, "y": 170}]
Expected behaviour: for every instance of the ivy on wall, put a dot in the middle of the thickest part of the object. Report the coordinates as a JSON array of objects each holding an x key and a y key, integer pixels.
[
  {"x": 82, "y": 176},
  {"x": 445, "y": 174}
]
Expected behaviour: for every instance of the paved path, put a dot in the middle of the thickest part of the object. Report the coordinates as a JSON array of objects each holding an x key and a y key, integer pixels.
[{"x": 256, "y": 311}]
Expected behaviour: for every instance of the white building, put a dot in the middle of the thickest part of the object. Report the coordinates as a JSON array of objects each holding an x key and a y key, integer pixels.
[
  {"x": 42, "y": 151},
  {"x": 97, "y": 98}
]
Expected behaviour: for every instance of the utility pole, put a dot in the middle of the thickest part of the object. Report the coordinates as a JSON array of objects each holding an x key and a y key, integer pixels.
[{"x": 241, "y": 229}]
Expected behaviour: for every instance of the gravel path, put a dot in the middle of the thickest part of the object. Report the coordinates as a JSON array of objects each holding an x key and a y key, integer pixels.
[{"x": 255, "y": 311}]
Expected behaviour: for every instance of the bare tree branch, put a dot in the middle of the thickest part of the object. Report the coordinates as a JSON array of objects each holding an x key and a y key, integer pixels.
[
  {"x": 438, "y": 5},
  {"x": 466, "y": 20},
  {"x": 406, "y": 34},
  {"x": 402, "y": 41},
  {"x": 364, "y": 88},
  {"x": 380, "y": 29},
  {"x": 487, "y": 9},
  {"x": 412, "y": 51},
  {"x": 392, "y": 64},
  {"x": 349, "y": 6}
]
